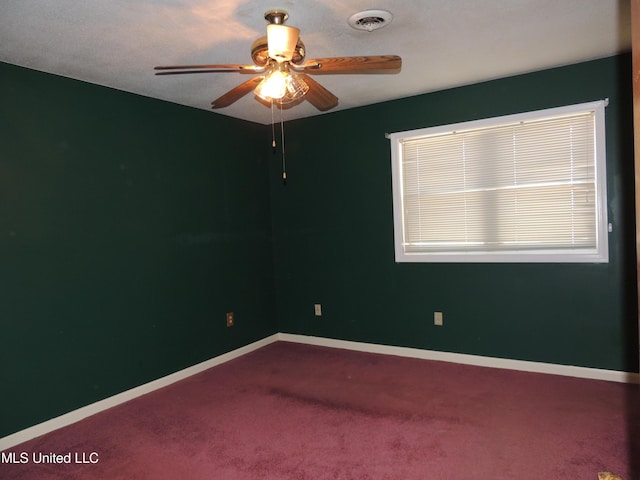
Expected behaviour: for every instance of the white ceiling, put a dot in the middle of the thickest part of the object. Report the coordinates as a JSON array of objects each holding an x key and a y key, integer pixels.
[{"x": 443, "y": 43}]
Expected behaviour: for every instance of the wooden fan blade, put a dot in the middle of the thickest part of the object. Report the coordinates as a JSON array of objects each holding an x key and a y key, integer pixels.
[
  {"x": 318, "y": 96},
  {"x": 236, "y": 93},
  {"x": 365, "y": 64},
  {"x": 182, "y": 69}
]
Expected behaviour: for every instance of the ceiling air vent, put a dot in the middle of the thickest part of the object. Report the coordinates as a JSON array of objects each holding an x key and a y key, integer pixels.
[{"x": 370, "y": 20}]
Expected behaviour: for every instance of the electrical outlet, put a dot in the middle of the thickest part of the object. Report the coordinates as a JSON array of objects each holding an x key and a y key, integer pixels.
[
  {"x": 437, "y": 319},
  {"x": 317, "y": 308},
  {"x": 230, "y": 320}
]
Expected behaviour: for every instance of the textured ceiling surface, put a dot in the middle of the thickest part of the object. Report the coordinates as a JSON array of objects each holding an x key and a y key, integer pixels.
[{"x": 443, "y": 43}]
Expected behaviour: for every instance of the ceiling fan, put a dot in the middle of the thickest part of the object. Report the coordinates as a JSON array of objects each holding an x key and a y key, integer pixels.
[{"x": 283, "y": 73}]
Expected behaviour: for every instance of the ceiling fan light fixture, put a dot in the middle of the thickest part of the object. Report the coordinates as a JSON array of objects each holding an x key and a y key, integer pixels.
[
  {"x": 282, "y": 41},
  {"x": 273, "y": 86},
  {"x": 281, "y": 86},
  {"x": 296, "y": 88}
]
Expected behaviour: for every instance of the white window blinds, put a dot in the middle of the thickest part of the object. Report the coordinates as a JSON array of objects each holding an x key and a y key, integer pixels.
[{"x": 500, "y": 188}]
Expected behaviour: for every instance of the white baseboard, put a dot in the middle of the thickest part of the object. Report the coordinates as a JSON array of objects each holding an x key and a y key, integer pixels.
[
  {"x": 527, "y": 366},
  {"x": 92, "y": 409},
  {"x": 84, "y": 412}
]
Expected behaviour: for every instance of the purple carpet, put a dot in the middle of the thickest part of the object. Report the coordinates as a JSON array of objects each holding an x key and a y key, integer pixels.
[{"x": 290, "y": 411}]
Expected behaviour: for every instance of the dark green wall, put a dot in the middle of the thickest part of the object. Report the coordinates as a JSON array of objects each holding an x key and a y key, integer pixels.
[
  {"x": 128, "y": 228},
  {"x": 333, "y": 236}
]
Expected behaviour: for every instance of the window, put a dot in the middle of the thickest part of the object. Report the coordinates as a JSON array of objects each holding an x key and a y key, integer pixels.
[{"x": 521, "y": 188}]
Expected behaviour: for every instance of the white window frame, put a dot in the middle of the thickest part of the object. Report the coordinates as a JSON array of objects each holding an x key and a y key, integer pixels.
[{"x": 599, "y": 254}]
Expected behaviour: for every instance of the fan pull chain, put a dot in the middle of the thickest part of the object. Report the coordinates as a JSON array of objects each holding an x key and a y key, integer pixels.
[
  {"x": 273, "y": 130},
  {"x": 284, "y": 167},
  {"x": 273, "y": 140}
]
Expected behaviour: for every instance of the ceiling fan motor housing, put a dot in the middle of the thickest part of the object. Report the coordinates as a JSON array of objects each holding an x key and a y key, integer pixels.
[{"x": 260, "y": 52}]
